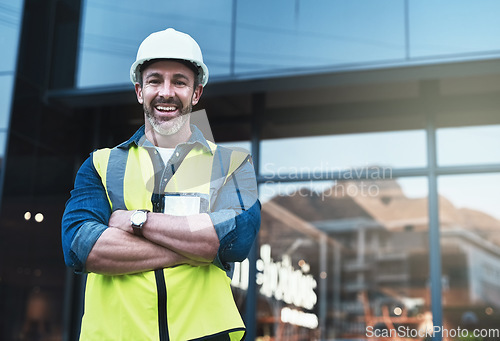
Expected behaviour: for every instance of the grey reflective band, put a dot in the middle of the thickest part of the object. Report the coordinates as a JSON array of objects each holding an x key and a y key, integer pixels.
[
  {"x": 115, "y": 176},
  {"x": 221, "y": 163},
  {"x": 220, "y": 167}
]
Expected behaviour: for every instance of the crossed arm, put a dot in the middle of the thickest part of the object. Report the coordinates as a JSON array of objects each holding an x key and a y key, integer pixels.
[
  {"x": 187, "y": 240},
  {"x": 98, "y": 240}
]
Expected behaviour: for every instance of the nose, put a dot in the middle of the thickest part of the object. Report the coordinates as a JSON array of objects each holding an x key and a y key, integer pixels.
[{"x": 167, "y": 90}]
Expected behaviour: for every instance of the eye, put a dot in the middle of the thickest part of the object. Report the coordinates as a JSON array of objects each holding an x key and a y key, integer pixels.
[
  {"x": 180, "y": 83},
  {"x": 153, "y": 80}
]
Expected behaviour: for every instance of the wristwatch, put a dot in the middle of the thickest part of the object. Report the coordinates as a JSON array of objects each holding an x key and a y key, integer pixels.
[{"x": 137, "y": 219}]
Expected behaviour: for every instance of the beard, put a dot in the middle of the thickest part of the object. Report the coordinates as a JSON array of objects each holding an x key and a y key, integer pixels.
[{"x": 176, "y": 123}]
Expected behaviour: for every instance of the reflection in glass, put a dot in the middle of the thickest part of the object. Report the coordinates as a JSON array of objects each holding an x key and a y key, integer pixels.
[
  {"x": 289, "y": 36},
  {"x": 108, "y": 47},
  {"x": 3, "y": 141},
  {"x": 312, "y": 155},
  {"x": 6, "y": 92},
  {"x": 10, "y": 20},
  {"x": 468, "y": 145},
  {"x": 470, "y": 246},
  {"x": 365, "y": 245},
  {"x": 295, "y": 35},
  {"x": 237, "y": 144},
  {"x": 434, "y": 34}
]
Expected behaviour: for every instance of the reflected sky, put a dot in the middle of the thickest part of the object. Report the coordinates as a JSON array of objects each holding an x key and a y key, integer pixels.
[
  {"x": 6, "y": 92},
  {"x": 108, "y": 47},
  {"x": 480, "y": 192},
  {"x": 10, "y": 19},
  {"x": 454, "y": 27},
  {"x": 468, "y": 145},
  {"x": 280, "y": 36},
  {"x": 299, "y": 35},
  {"x": 400, "y": 149}
]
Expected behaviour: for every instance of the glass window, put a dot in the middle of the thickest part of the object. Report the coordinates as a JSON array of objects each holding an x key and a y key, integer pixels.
[
  {"x": 470, "y": 247},
  {"x": 3, "y": 142},
  {"x": 276, "y": 35},
  {"x": 342, "y": 259},
  {"x": 471, "y": 193},
  {"x": 112, "y": 32},
  {"x": 270, "y": 190},
  {"x": 10, "y": 26},
  {"x": 6, "y": 93},
  {"x": 451, "y": 27},
  {"x": 312, "y": 155},
  {"x": 468, "y": 145},
  {"x": 287, "y": 36},
  {"x": 237, "y": 144}
]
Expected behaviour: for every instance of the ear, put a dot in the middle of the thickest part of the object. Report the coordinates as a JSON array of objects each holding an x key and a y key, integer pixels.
[
  {"x": 197, "y": 94},
  {"x": 138, "y": 93}
]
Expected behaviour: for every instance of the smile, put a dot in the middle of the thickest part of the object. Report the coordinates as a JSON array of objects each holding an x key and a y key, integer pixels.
[{"x": 165, "y": 109}]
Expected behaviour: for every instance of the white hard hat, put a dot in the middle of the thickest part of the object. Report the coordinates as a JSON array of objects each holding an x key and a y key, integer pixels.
[{"x": 169, "y": 44}]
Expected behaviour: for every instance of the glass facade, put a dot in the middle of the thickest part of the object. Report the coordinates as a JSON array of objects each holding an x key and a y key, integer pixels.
[
  {"x": 470, "y": 247},
  {"x": 6, "y": 88},
  {"x": 459, "y": 146},
  {"x": 463, "y": 28},
  {"x": 328, "y": 34},
  {"x": 10, "y": 19},
  {"x": 108, "y": 47},
  {"x": 329, "y": 154},
  {"x": 379, "y": 196},
  {"x": 360, "y": 239},
  {"x": 261, "y": 38}
]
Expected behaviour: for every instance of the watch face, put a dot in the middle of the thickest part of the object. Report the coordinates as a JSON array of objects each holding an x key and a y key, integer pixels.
[{"x": 138, "y": 218}]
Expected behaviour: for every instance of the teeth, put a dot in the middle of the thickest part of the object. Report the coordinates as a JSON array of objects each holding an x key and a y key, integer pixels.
[{"x": 165, "y": 108}]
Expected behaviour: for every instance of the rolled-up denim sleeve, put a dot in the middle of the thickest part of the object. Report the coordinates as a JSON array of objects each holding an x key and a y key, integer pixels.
[
  {"x": 236, "y": 216},
  {"x": 85, "y": 217}
]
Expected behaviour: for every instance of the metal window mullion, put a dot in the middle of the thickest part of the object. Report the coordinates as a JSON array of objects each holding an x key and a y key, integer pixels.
[
  {"x": 323, "y": 289},
  {"x": 434, "y": 235},
  {"x": 468, "y": 169}
]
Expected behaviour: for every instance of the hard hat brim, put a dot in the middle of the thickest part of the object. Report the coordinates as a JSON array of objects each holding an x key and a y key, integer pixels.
[{"x": 134, "y": 69}]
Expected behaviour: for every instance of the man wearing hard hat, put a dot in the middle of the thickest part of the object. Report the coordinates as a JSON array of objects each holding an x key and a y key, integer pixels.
[{"x": 158, "y": 220}]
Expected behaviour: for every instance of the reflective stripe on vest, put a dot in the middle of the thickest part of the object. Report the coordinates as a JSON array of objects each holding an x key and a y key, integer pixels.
[{"x": 197, "y": 301}]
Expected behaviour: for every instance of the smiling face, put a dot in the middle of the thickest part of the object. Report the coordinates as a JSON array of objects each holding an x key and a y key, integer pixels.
[{"x": 167, "y": 95}]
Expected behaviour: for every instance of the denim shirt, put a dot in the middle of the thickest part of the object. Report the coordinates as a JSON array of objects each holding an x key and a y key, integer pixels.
[{"x": 235, "y": 212}]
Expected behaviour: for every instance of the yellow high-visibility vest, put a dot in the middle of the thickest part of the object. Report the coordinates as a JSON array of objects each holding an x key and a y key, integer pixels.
[{"x": 178, "y": 303}]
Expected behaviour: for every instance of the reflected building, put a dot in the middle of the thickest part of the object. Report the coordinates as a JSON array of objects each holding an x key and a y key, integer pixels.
[{"x": 371, "y": 251}]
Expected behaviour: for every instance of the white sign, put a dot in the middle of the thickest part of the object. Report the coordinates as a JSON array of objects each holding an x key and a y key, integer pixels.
[
  {"x": 279, "y": 280},
  {"x": 299, "y": 318}
]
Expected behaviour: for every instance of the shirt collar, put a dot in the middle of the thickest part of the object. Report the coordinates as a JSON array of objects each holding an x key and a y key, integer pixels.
[{"x": 139, "y": 138}]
